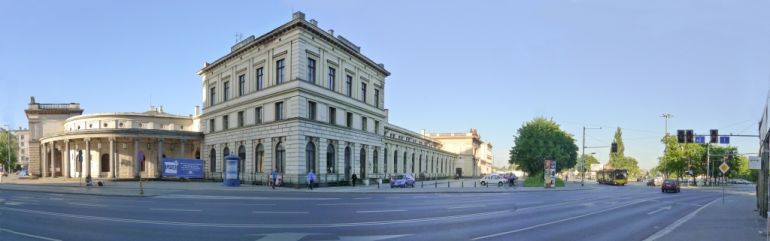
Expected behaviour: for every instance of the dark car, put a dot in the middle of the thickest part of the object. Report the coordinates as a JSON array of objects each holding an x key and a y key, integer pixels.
[
  {"x": 651, "y": 183},
  {"x": 670, "y": 185},
  {"x": 405, "y": 180}
]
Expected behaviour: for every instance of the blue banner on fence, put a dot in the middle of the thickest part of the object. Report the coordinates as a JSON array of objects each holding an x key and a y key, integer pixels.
[{"x": 186, "y": 168}]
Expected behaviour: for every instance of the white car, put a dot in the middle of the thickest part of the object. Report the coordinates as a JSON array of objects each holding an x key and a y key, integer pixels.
[{"x": 493, "y": 179}]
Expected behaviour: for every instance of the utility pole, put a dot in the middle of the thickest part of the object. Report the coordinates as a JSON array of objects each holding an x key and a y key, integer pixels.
[
  {"x": 666, "y": 116},
  {"x": 582, "y": 157}
]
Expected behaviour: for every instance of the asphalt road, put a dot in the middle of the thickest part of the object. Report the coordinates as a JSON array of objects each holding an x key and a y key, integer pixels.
[{"x": 604, "y": 213}]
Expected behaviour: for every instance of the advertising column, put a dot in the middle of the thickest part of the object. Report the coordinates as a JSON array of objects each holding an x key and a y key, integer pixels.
[{"x": 231, "y": 171}]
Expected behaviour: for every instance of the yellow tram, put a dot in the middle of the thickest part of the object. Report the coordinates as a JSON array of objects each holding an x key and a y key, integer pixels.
[{"x": 612, "y": 176}]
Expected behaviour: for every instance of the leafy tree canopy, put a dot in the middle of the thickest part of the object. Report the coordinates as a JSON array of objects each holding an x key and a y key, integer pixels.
[{"x": 542, "y": 139}]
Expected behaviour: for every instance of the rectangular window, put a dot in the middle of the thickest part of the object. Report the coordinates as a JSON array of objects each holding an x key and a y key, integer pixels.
[
  {"x": 349, "y": 120},
  {"x": 241, "y": 85},
  {"x": 225, "y": 122},
  {"x": 349, "y": 86},
  {"x": 311, "y": 113},
  {"x": 377, "y": 98},
  {"x": 226, "y": 90},
  {"x": 311, "y": 70},
  {"x": 258, "y": 115},
  {"x": 279, "y": 71},
  {"x": 332, "y": 116},
  {"x": 240, "y": 118},
  {"x": 364, "y": 121},
  {"x": 376, "y": 126},
  {"x": 363, "y": 92},
  {"x": 212, "y": 125},
  {"x": 260, "y": 79},
  {"x": 212, "y": 95},
  {"x": 332, "y": 76},
  {"x": 279, "y": 111}
]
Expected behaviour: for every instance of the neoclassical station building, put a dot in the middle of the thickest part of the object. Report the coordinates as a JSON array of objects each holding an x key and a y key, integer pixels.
[
  {"x": 65, "y": 143},
  {"x": 299, "y": 98},
  {"x": 295, "y": 99}
]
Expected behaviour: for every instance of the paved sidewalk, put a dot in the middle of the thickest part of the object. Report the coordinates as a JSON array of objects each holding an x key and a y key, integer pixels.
[
  {"x": 737, "y": 219},
  {"x": 154, "y": 188}
]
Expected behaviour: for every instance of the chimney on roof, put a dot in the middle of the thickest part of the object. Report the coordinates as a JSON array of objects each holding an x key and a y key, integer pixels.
[
  {"x": 160, "y": 109},
  {"x": 196, "y": 112},
  {"x": 331, "y": 31},
  {"x": 313, "y": 22},
  {"x": 298, "y": 15}
]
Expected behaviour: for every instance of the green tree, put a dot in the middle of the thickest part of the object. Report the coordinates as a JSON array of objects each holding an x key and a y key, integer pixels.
[
  {"x": 588, "y": 159},
  {"x": 618, "y": 159},
  {"x": 542, "y": 139},
  {"x": 8, "y": 159}
]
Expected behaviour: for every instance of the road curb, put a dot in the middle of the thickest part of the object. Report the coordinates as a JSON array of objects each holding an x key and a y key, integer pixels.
[{"x": 76, "y": 193}]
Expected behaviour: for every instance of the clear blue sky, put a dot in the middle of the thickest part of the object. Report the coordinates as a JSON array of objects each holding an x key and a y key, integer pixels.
[{"x": 490, "y": 65}]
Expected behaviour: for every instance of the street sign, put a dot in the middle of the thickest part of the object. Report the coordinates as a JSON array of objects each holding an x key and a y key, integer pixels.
[
  {"x": 724, "y": 167},
  {"x": 700, "y": 139},
  {"x": 754, "y": 163},
  {"x": 724, "y": 140}
]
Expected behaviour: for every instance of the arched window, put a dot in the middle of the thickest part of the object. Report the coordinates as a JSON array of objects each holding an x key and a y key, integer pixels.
[
  {"x": 330, "y": 159},
  {"x": 280, "y": 157},
  {"x": 105, "y": 163},
  {"x": 362, "y": 160},
  {"x": 225, "y": 153},
  {"x": 310, "y": 157},
  {"x": 259, "y": 158},
  {"x": 385, "y": 160},
  {"x": 213, "y": 160},
  {"x": 395, "y": 161},
  {"x": 375, "y": 160},
  {"x": 413, "y": 162},
  {"x": 197, "y": 153},
  {"x": 419, "y": 165},
  {"x": 348, "y": 156},
  {"x": 142, "y": 160},
  {"x": 242, "y": 161}
]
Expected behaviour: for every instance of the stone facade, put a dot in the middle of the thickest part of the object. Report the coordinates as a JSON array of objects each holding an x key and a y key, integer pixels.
[
  {"x": 22, "y": 155},
  {"x": 300, "y": 98},
  {"x": 475, "y": 156}
]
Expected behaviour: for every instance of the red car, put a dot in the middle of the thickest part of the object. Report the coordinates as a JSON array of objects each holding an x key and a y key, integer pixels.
[{"x": 670, "y": 185}]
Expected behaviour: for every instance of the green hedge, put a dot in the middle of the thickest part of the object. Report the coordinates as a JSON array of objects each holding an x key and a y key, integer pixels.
[{"x": 537, "y": 181}]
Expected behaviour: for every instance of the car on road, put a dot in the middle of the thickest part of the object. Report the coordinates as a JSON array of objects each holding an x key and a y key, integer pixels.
[
  {"x": 403, "y": 180},
  {"x": 493, "y": 179},
  {"x": 651, "y": 183},
  {"x": 670, "y": 185}
]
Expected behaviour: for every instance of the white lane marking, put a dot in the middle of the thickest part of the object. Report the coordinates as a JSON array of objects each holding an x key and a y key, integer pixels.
[
  {"x": 175, "y": 209},
  {"x": 253, "y": 225},
  {"x": 467, "y": 206},
  {"x": 239, "y": 204},
  {"x": 280, "y": 212},
  {"x": 659, "y": 209},
  {"x": 676, "y": 224},
  {"x": 89, "y": 205},
  {"x": 362, "y": 198},
  {"x": 381, "y": 211},
  {"x": 28, "y": 235},
  {"x": 183, "y": 196},
  {"x": 555, "y": 222},
  {"x": 12, "y": 203},
  {"x": 55, "y": 198},
  {"x": 371, "y": 238},
  {"x": 341, "y": 204}
]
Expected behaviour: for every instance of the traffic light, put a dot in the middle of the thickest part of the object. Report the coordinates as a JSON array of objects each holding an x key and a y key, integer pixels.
[
  {"x": 680, "y": 136},
  {"x": 689, "y": 136},
  {"x": 714, "y": 136},
  {"x": 614, "y": 147}
]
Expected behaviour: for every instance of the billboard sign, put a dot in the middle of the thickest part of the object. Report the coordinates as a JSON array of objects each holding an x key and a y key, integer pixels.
[
  {"x": 231, "y": 170},
  {"x": 754, "y": 163},
  {"x": 549, "y": 173},
  {"x": 182, "y": 168}
]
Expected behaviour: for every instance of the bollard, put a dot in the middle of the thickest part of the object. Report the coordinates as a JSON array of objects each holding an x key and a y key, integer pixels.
[
  {"x": 141, "y": 187},
  {"x": 474, "y": 184},
  {"x": 447, "y": 184},
  {"x": 378, "y": 185},
  {"x": 435, "y": 184},
  {"x": 422, "y": 184},
  {"x": 462, "y": 184}
]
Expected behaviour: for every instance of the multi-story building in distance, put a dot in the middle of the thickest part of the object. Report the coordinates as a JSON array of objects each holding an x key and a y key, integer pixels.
[
  {"x": 22, "y": 154},
  {"x": 475, "y": 156}
]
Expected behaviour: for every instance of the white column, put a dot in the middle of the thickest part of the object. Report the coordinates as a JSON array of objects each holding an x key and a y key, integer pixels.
[
  {"x": 66, "y": 156},
  {"x": 112, "y": 157},
  {"x": 45, "y": 159},
  {"x": 53, "y": 159},
  {"x": 158, "y": 165},
  {"x": 137, "y": 168},
  {"x": 87, "y": 156},
  {"x": 181, "y": 149}
]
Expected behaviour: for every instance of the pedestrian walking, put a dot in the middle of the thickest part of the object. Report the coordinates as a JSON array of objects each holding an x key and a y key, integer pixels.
[
  {"x": 354, "y": 179},
  {"x": 310, "y": 179},
  {"x": 274, "y": 176}
]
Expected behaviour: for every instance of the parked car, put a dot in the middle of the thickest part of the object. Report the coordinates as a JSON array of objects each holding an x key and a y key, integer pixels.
[
  {"x": 403, "y": 180},
  {"x": 670, "y": 185},
  {"x": 492, "y": 179},
  {"x": 651, "y": 183}
]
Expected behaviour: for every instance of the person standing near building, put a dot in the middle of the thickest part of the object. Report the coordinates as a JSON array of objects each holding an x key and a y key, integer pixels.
[
  {"x": 274, "y": 176},
  {"x": 354, "y": 177},
  {"x": 310, "y": 179}
]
